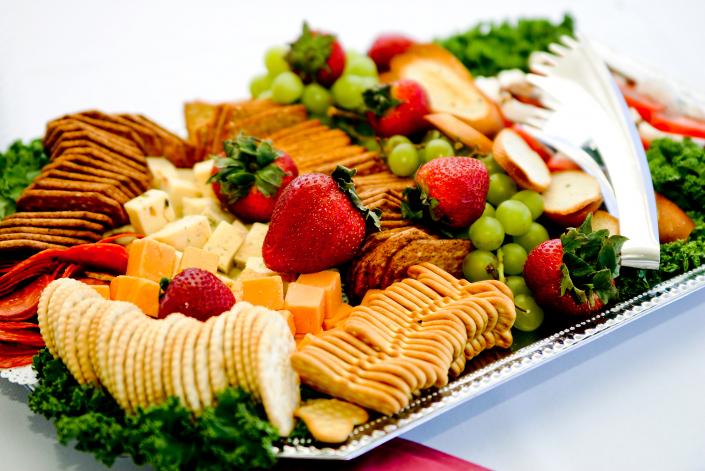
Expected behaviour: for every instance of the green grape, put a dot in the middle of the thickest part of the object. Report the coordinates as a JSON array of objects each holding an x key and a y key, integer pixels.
[
  {"x": 347, "y": 90},
  {"x": 533, "y": 237},
  {"x": 431, "y": 135},
  {"x": 403, "y": 160},
  {"x": 514, "y": 216},
  {"x": 480, "y": 265},
  {"x": 360, "y": 65},
  {"x": 275, "y": 60},
  {"x": 491, "y": 165},
  {"x": 394, "y": 141},
  {"x": 351, "y": 55},
  {"x": 502, "y": 187},
  {"x": 316, "y": 98},
  {"x": 486, "y": 233},
  {"x": 259, "y": 84},
  {"x": 532, "y": 200},
  {"x": 529, "y": 313},
  {"x": 287, "y": 88},
  {"x": 518, "y": 285},
  {"x": 489, "y": 211},
  {"x": 514, "y": 258},
  {"x": 370, "y": 143},
  {"x": 437, "y": 148},
  {"x": 265, "y": 95}
]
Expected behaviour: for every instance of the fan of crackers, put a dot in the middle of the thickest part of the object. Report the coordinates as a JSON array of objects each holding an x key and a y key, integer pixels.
[{"x": 142, "y": 361}]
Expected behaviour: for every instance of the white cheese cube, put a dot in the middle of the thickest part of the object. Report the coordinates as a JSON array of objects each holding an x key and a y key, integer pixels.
[
  {"x": 150, "y": 211},
  {"x": 185, "y": 174},
  {"x": 252, "y": 247},
  {"x": 179, "y": 189},
  {"x": 225, "y": 241},
  {"x": 162, "y": 171},
  {"x": 202, "y": 172},
  {"x": 190, "y": 231},
  {"x": 208, "y": 207}
]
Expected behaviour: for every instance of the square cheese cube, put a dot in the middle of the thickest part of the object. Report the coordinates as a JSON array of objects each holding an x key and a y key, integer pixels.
[
  {"x": 194, "y": 257},
  {"x": 150, "y": 211},
  {"x": 329, "y": 280},
  {"x": 103, "y": 290},
  {"x": 178, "y": 189},
  {"x": 306, "y": 303},
  {"x": 150, "y": 259},
  {"x": 289, "y": 318},
  {"x": 338, "y": 316},
  {"x": 189, "y": 231},
  {"x": 252, "y": 247},
  {"x": 267, "y": 291},
  {"x": 202, "y": 172},
  {"x": 139, "y": 291},
  {"x": 225, "y": 241},
  {"x": 162, "y": 171},
  {"x": 209, "y": 208},
  {"x": 186, "y": 174}
]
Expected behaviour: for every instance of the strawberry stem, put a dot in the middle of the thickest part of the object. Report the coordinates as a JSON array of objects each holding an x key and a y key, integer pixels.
[
  {"x": 343, "y": 176},
  {"x": 309, "y": 53},
  {"x": 379, "y": 99}
]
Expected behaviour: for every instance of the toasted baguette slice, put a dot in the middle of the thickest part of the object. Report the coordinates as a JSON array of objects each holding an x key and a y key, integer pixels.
[
  {"x": 570, "y": 197},
  {"x": 673, "y": 223},
  {"x": 449, "y": 86},
  {"x": 520, "y": 161},
  {"x": 604, "y": 220},
  {"x": 460, "y": 131}
]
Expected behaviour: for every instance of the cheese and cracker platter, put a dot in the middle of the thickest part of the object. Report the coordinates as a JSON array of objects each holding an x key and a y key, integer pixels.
[{"x": 364, "y": 243}]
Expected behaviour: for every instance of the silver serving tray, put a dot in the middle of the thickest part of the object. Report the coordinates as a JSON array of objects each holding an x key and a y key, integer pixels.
[{"x": 495, "y": 367}]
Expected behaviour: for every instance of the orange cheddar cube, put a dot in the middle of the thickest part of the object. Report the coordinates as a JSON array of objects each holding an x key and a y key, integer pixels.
[
  {"x": 307, "y": 304},
  {"x": 194, "y": 257},
  {"x": 141, "y": 292},
  {"x": 340, "y": 315},
  {"x": 289, "y": 320},
  {"x": 267, "y": 291},
  {"x": 329, "y": 280},
  {"x": 103, "y": 290},
  {"x": 150, "y": 259}
]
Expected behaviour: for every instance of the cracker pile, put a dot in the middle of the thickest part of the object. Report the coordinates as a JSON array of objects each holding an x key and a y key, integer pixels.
[
  {"x": 389, "y": 202},
  {"x": 386, "y": 256},
  {"x": 142, "y": 361},
  {"x": 407, "y": 338}
]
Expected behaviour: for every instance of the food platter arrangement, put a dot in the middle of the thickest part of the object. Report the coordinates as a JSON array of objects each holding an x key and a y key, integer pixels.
[{"x": 366, "y": 242}]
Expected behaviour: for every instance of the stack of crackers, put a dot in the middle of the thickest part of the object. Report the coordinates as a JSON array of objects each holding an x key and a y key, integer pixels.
[
  {"x": 388, "y": 201},
  {"x": 97, "y": 164},
  {"x": 143, "y": 361},
  {"x": 407, "y": 338},
  {"x": 386, "y": 256}
]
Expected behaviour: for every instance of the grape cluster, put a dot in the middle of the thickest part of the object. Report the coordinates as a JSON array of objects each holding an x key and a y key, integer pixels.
[
  {"x": 283, "y": 86},
  {"x": 404, "y": 157}
]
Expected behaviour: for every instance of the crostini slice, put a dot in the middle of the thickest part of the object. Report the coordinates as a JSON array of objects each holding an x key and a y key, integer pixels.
[
  {"x": 673, "y": 223},
  {"x": 520, "y": 161},
  {"x": 604, "y": 220},
  {"x": 571, "y": 196},
  {"x": 460, "y": 131}
]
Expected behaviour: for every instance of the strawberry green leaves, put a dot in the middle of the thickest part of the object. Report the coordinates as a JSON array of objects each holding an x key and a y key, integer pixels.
[
  {"x": 591, "y": 262},
  {"x": 343, "y": 178},
  {"x": 379, "y": 99},
  {"x": 309, "y": 53},
  {"x": 249, "y": 161}
]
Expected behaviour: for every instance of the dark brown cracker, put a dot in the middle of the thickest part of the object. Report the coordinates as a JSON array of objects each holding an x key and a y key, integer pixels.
[
  {"x": 174, "y": 148},
  {"x": 447, "y": 254},
  {"x": 74, "y": 145},
  {"x": 144, "y": 137},
  {"x": 93, "y": 158},
  {"x": 268, "y": 121},
  {"x": 197, "y": 114},
  {"x": 43, "y": 200},
  {"x": 77, "y": 130},
  {"x": 109, "y": 191},
  {"x": 101, "y": 219},
  {"x": 75, "y": 176},
  {"x": 295, "y": 129},
  {"x": 84, "y": 165},
  {"x": 107, "y": 123},
  {"x": 50, "y": 239},
  {"x": 88, "y": 236},
  {"x": 58, "y": 222},
  {"x": 22, "y": 246}
]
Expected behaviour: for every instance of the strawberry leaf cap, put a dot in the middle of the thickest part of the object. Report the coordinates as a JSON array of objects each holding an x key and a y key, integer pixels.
[
  {"x": 248, "y": 161},
  {"x": 379, "y": 99},
  {"x": 310, "y": 52},
  {"x": 591, "y": 261},
  {"x": 343, "y": 178}
]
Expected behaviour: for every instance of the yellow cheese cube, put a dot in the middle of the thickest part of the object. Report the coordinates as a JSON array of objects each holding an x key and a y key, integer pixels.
[
  {"x": 179, "y": 189},
  {"x": 139, "y": 291},
  {"x": 337, "y": 317},
  {"x": 202, "y": 172},
  {"x": 329, "y": 280},
  {"x": 162, "y": 171},
  {"x": 194, "y": 257},
  {"x": 306, "y": 303},
  {"x": 150, "y": 211},
  {"x": 289, "y": 320},
  {"x": 252, "y": 247},
  {"x": 225, "y": 241},
  {"x": 103, "y": 290},
  {"x": 189, "y": 231},
  {"x": 150, "y": 259},
  {"x": 267, "y": 291}
]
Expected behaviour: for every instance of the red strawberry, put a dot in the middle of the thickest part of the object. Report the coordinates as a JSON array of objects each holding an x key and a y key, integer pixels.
[
  {"x": 574, "y": 275},
  {"x": 449, "y": 190},
  {"x": 196, "y": 293},
  {"x": 398, "y": 108},
  {"x": 318, "y": 223},
  {"x": 316, "y": 56},
  {"x": 249, "y": 180},
  {"x": 386, "y": 46}
]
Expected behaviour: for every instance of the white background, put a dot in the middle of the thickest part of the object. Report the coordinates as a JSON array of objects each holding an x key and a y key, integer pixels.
[{"x": 633, "y": 400}]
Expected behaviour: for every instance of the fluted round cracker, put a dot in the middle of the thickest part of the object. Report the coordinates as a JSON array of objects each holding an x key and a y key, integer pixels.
[
  {"x": 121, "y": 377},
  {"x": 112, "y": 313},
  {"x": 177, "y": 346},
  {"x": 143, "y": 362},
  {"x": 83, "y": 340},
  {"x": 205, "y": 391},
  {"x": 242, "y": 324},
  {"x": 69, "y": 333},
  {"x": 216, "y": 359},
  {"x": 259, "y": 324},
  {"x": 187, "y": 372},
  {"x": 133, "y": 371},
  {"x": 43, "y": 313},
  {"x": 156, "y": 387}
]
